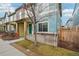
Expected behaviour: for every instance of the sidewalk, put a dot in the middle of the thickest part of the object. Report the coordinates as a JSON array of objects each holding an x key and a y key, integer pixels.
[{"x": 7, "y": 50}]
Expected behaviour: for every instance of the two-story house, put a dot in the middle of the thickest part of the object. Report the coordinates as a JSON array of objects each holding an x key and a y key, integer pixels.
[{"x": 48, "y": 25}]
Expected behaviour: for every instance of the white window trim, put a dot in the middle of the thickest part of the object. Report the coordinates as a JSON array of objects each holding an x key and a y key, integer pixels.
[{"x": 38, "y": 27}]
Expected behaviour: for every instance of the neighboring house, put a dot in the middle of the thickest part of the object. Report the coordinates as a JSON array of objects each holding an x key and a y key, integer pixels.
[
  {"x": 73, "y": 22},
  {"x": 5, "y": 22},
  {"x": 75, "y": 17},
  {"x": 11, "y": 21},
  {"x": 2, "y": 28}
]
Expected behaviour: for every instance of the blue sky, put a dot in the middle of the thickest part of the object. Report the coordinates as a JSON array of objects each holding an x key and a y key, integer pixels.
[
  {"x": 5, "y": 6},
  {"x": 67, "y": 10}
]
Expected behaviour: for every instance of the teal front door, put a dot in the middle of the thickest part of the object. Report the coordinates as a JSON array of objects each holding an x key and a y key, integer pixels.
[{"x": 30, "y": 28}]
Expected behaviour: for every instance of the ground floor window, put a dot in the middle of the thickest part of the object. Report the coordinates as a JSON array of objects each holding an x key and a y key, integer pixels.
[{"x": 43, "y": 27}]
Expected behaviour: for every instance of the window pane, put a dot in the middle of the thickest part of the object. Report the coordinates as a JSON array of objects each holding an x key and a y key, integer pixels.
[
  {"x": 40, "y": 27},
  {"x": 45, "y": 27}
]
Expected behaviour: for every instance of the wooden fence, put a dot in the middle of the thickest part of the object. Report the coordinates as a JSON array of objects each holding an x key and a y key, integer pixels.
[{"x": 69, "y": 38}]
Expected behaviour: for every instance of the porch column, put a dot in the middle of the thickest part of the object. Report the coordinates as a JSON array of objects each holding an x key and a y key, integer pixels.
[
  {"x": 25, "y": 29},
  {"x": 4, "y": 28},
  {"x": 9, "y": 27},
  {"x": 17, "y": 29}
]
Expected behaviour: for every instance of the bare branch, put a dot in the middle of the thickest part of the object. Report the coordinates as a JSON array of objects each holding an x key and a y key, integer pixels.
[
  {"x": 46, "y": 15},
  {"x": 42, "y": 18},
  {"x": 29, "y": 16},
  {"x": 39, "y": 9},
  {"x": 33, "y": 11},
  {"x": 26, "y": 8}
]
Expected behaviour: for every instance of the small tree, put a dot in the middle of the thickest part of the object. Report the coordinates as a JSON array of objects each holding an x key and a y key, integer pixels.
[{"x": 36, "y": 13}]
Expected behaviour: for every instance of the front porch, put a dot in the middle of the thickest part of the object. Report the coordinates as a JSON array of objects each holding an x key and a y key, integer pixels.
[{"x": 21, "y": 27}]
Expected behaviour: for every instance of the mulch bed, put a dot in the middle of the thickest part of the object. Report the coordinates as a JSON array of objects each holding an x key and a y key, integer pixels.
[
  {"x": 25, "y": 51},
  {"x": 9, "y": 36}
]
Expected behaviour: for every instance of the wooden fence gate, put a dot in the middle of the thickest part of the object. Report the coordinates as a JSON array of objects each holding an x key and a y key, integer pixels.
[{"x": 69, "y": 38}]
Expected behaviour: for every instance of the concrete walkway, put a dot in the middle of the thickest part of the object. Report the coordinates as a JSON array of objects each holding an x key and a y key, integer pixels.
[{"x": 7, "y": 50}]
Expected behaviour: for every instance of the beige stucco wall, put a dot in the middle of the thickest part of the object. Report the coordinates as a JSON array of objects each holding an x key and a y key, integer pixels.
[{"x": 21, "y": 29}]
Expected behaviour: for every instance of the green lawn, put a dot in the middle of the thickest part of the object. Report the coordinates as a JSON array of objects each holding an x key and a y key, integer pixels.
[{"x": 43, "y": 49}]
